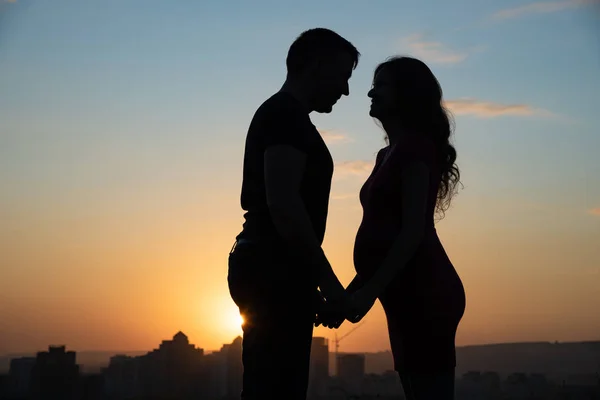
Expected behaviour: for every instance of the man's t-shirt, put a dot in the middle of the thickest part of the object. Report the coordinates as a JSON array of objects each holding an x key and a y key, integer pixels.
[{"x": 283, "y": 120}]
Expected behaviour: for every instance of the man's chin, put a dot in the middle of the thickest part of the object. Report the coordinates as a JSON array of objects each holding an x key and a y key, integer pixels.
[{"x": 324, "y": 110}]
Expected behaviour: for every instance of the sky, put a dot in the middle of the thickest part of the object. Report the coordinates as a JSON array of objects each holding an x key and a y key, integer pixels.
[{"x": 122, "y": 126}]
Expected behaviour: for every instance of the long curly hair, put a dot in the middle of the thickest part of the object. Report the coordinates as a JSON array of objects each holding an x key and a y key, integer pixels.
[{"x": 421, "y": 108}]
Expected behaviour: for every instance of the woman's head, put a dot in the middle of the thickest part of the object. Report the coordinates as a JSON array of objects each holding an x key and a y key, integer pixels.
[
  {"x": 406, "y": 94},
  {"x": 405, "y": 91}
]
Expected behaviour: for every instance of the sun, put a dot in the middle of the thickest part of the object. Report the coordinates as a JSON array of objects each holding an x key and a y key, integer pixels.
[{"x": 230, "y": 320}]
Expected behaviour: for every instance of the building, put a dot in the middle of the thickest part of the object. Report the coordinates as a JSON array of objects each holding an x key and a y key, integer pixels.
[
  {"x": 319, "y": 367},
  {"x": 216, "y": 365},
  {"x": 386, "y": 385},
  {"x": 225, "y": 371},
  {"x": 234, "y": 368},
  {"x": 19, "y": 376},
  {"x": 351, "y": 372},
  {"x": 176, "y": 369},
  {"x": 120, "y": 377},
  {"x": 55, "y": 375}
]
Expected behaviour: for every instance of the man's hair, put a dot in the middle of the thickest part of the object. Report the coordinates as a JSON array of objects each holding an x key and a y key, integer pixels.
[{"x": 315, "y": 44}]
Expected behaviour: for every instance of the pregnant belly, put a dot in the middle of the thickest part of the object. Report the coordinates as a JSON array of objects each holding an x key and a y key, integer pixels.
[
  {"x": 428, "y": 263},
  {"x": 368, "y": 257},
  {"x": 371, "y": 246}
]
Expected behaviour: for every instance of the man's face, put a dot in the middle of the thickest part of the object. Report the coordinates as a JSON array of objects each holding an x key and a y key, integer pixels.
[{"x": 331, "y": 81}]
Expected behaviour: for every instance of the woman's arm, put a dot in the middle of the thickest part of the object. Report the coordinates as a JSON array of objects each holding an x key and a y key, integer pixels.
[
  {"x": 415, "y": 193},
  {"x": 356, "y": 284}
]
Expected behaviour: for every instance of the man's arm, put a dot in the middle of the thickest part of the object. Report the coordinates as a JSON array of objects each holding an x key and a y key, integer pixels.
[{"x": 284, "y": 168}]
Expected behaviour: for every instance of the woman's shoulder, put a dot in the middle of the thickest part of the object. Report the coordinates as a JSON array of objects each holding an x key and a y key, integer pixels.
[
  {"x": 415, "y": 147},
  {"x": 382, "y": 155},
  {"x": 416, "y": 141},
  {"x": 382, "y": 152}
]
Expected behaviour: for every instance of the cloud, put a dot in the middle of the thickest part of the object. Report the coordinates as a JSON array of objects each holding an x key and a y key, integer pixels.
[
  {"x": 542, "y": 7},
  {"x": 357, "y": 167},
  {"x": 486, "y": 109},
  {"x": 595, "y": 211},
  {"x": 333, "y": 137},
  {"x": 432, "y": 51}
]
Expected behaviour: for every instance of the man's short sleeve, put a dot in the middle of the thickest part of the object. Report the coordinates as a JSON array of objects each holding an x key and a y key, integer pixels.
[{"x": 287, "y": 125}]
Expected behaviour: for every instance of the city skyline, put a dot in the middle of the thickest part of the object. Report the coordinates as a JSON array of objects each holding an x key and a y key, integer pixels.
[
  {"x": 121, "y": 141},
  {"x": 178, "y": 369},
  {"x": 565, "y": 357}
]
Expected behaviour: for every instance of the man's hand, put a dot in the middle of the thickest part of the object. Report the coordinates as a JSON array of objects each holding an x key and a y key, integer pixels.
[
  {"x": 333, "y": 290},
  {"x": 330, "y": 314}
]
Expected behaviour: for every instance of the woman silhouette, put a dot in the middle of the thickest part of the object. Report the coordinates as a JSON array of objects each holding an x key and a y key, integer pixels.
[{"x": 397, "y": 254}]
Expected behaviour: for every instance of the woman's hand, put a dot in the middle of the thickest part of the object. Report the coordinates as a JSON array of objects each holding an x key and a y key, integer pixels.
[{"x": 360, "y": 303}]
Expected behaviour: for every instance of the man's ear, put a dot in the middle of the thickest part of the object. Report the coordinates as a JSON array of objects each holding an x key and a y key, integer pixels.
[{"x": 313, "y": 67}]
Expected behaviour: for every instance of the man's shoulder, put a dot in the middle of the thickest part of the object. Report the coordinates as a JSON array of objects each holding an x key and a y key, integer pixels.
[
  {"x": 281, "y": 105},
  {"x": 281, "y": 119}
]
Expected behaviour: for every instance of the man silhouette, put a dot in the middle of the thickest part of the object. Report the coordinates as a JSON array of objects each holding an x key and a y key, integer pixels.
[{"x": 277, "y": 265}]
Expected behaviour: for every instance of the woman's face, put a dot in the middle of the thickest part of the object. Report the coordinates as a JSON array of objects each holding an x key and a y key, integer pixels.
[{"x": 384, "y": 96}]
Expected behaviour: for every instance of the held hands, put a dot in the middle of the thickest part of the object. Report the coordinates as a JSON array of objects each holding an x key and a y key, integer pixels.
[
  {"x": 330, "y": 314},
  {"x": 330, "y": 307},
  {"x": 352, "y": 304},
  {"x": 329, "y": 310}
]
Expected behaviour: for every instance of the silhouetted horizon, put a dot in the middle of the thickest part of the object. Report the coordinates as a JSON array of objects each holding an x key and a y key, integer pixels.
[
  {"x": 380, "y": 361},
  {"x": 177, "y": 363},
  {"x": 208, "y": 351}
]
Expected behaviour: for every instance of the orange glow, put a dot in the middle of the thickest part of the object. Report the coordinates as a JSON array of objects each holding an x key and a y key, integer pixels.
[{"x": 98, "y": 283}]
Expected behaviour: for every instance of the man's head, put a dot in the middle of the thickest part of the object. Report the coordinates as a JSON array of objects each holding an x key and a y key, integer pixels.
[{"x": 322, "y": 62}]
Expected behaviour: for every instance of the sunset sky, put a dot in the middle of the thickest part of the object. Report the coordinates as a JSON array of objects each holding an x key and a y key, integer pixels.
[{"x": 122, "y": 126}]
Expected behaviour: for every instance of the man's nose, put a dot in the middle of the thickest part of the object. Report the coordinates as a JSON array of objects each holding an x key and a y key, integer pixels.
[{"x": 370, "y": 93}]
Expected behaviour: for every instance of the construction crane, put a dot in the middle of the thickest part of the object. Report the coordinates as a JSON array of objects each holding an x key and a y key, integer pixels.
[{"x": 337, "y": 341}]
